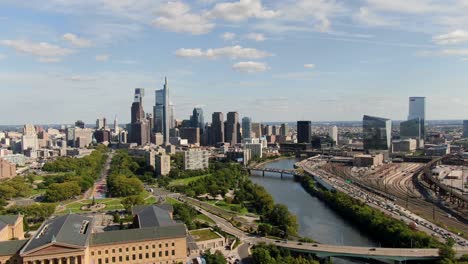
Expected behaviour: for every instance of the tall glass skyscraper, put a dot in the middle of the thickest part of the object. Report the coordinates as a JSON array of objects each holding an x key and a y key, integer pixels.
[
  {"x": 304, "y": 132},
  {"x": 162, "y": 113},
  {"x": 197, "y": 119},
  {"x": 377, "y": 133},
  {"x": 246, "y": 127},
  {"x": 417, "y": 109}
]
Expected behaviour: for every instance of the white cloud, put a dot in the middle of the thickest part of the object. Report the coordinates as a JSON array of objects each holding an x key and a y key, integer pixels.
[
  {"x": 228, "y": 36},
  {"x": 250, "y": 67},
  {"x": 49, "y": 59},
  {"x": 77, "y": 41},
  {"x": 369, "y": 17},
  {"x": 241, "y": 10},
  {"x": 41, "y": 49},
  {"x": 309, "y": 66},
  {"x": 176, "y": 16},
  {"x": 256, "y": 37},
  {"x": 454, "y": 37},
  {"x": 229, "y": 52},
  {"x": 461, "y": 52},
  {"x": 102, "y": 57},
  {"x": 405, "y": 6}
]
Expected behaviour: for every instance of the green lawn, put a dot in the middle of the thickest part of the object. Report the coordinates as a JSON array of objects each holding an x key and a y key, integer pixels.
[
  {"x": 235, "y": 208},
  {"x": 186, "y": 181},
  {"x": 172, "y": 201},
  {"x": 205, "y": 218},
  {"x": 203, "y": 234}
]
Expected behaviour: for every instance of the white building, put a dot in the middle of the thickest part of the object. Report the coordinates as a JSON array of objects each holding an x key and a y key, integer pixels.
[
  {"x": 256, "y": 149},
  {"x": 196, "y": 159},
  {"x": 29, "y": 142},
  {"x": 333, "y": 134},
  {"x": 162, "y": 164}
]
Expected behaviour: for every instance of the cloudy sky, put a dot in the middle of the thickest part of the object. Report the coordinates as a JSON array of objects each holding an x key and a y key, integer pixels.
[{"x": 273, "y": 60}]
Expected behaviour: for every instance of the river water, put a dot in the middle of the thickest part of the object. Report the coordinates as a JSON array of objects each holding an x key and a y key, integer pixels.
[{"x": 315, "y": 219}]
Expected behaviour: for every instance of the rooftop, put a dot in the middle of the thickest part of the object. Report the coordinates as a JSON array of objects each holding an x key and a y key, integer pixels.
[
  {"x": 11, "y": 247},
  {"x": 154, "y": 215}
]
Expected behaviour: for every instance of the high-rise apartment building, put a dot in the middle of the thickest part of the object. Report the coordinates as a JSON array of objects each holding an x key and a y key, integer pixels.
[
  {"x": 304, "y": 131},
  {"x": 417, "y": 109},
  {"x": 196, "y": 159},
  {"x": 139, "y": 127},
  {"x": 231, "y": 125},
  {"x": 162, "y": 164},
  {"x": 162, "y": 112},
  {"x": 256, "y": 149},
  {"x": 217, "y": 128},
  {"x": 377, "y": 133},
  {"x": 192, "y": 134},
  {"x": 246, "y": 127},
  {"x": 333, "y": 134}
]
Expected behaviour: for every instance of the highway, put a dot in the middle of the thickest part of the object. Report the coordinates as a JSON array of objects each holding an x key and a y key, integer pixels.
[{"x": 321, "y": 250}]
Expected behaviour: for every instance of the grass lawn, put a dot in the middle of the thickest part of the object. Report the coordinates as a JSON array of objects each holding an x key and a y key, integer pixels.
[
  {"x": 205, "y": 218},
  {"x": 35, "y": 192},
  {"x": 187, "y": 181},
  {"x": 203, "y": 234},
  {"x": 235, "y": 208},
  {"x": 172, "y": 201},
  {"x": 151, "y": 200}
]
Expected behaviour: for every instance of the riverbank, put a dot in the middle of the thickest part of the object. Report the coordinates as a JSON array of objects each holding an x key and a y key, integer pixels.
[
  {"x": 387, "y": 230},
  {"x": 263, "y": 163}
]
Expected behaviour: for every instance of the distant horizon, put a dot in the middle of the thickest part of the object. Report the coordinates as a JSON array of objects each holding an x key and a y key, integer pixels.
[{"x": 272, "y": 60}]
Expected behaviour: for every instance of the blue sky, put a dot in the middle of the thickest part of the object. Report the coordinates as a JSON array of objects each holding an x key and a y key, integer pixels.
[{"x": 63, "y": 60}]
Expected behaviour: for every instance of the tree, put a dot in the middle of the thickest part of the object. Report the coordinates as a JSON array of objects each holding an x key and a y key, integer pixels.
[
  {"x": 264, "y": 229},
  {"x": 216, "y": 258},
  {"x": 62, "y": 191},
  {"x": 131, "y": 201}
]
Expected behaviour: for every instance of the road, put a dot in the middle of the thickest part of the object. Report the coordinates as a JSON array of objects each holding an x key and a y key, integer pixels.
[{"x": 100, "y": 186}]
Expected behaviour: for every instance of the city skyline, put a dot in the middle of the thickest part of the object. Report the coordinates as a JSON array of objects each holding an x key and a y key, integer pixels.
[{"x": 293, "y": 61}]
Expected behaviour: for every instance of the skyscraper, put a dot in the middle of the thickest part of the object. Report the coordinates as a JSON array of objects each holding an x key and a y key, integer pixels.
[
  {"x": 116, "y": 125},
  {"x": 304, "y": 131},
  {"x": 284, "y": 129},
  {"x": 411, "y": 129},
  {"x": 417, "y": 109},
  {"x": 246, "y": 127},
  {"x": 217, "y": 128},
  {"x": 333, "y": 134},
  {"x": 231, "y": 127},
  {"x": 377, "y": 133},
  {"x": 162, "y": 115},
  {"x": 465, "y": 128},
  {"x": 197, "y": 119},
  {"x": 139, "y": 128}
]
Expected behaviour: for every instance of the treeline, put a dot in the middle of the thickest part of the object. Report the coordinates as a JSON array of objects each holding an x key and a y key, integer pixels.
[
  {"x": 388, "y": 231},
  {"x": 123, "y": 180},
  {"x": 188, "y": 215},
  {"x": 229, "y": 176},
  {"x": 34, "y": 214},
  {"x": 77, "y": 175},
  {"x": 270, "y": 254},
  {"x": 13, "y": 188}
]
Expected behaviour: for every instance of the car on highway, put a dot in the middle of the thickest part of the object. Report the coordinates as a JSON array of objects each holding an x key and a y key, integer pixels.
[{"x": 372, "y": 249}]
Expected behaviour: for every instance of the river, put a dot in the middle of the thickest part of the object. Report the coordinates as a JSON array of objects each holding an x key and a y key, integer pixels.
[{"x": 315, "y": 219}]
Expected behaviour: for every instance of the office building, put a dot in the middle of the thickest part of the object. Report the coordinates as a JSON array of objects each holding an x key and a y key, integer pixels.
[
  {"x": 217, "y": 128},
  {"x": 116, "y": 126},
  {"x": 154, "y": 238},
  {"x": 404, "y": 145},
  {"x": 197, "y": 119},
  {"x": 465, "y": 128},
  {"x": 284, "y": 130},
  {"x": 366, "y": 160},
  {"x": 304, "y": 131},
  {"x": 102, "y": 136},
  {"x": 196, "y": 159},
  {"x": 246, "y": 127},
  {"x": 417, "y": 109},
  {"x": 241, "y": 156},
  {"x": 231, "y": 128},
  {"x": 192, "y": 134},
  {"x": 162, "y": 112},
  {"x": 333, "y": 134},
  {"x": 139, "y": 126},
  {"x": 377, "y": 133},
  {"x": 256, "y": 130},
  {"x": 101, "y": 123},
  {"x": 267, "y": 130},
  {"x": 256, "y": 149},
  {"x": 7, "y": 169},
  {"x": 411, "y": 129},
  {"x": 162, "y": 164}
]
